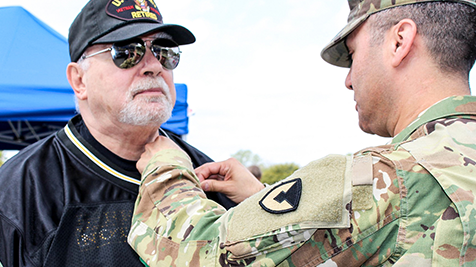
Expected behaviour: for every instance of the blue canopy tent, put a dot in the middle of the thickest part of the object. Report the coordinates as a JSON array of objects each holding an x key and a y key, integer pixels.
[{"x": 35, "y": 96}]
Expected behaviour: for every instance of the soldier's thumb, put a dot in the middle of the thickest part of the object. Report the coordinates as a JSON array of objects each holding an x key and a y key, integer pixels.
[{"x": 212, "y": 186}]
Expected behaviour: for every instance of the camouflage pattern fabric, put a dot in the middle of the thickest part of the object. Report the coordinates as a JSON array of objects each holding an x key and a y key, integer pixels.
[
  {"x": 336, "y": 52},
  {"x": 422, "y": 210}
]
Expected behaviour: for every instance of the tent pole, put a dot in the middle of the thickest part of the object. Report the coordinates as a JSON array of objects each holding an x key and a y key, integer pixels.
[
  {"x": 32, "y": 130},
  {"x": 13, "y": 129}
]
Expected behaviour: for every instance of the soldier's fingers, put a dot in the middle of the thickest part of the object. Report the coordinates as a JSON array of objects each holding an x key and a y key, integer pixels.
[
  {"x": 216, "y": 177},
  {"x": 207, "y": 170}
]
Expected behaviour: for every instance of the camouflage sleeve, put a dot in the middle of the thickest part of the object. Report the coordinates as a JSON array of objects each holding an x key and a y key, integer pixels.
[
  {"x": 175, "y": 225},
  {"x": 169, "y": 206},
  {"x": 365, "y": 209}
]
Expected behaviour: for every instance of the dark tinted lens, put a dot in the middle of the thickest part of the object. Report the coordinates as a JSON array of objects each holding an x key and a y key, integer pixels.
[
  {"x": 169, "y": 57},
  {"x": 127, "y": 54}
]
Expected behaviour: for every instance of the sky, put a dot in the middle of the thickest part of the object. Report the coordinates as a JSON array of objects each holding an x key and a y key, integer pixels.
[{"x": 255, "y": 77}]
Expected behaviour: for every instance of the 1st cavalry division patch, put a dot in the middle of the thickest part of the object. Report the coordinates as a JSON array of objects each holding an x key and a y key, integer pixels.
[{"x": 283, "y": 198}]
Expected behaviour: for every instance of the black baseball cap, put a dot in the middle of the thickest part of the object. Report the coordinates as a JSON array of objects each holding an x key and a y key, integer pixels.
[{"x": 109, "y": 21}]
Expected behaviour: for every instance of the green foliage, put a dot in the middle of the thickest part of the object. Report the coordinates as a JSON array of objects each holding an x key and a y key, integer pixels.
[
  {"x": 247, "y": 158},
  {"x": 1, "y": 158},
  {"x": 278, "y": 172},
  {"x": 270, "y": 174}
]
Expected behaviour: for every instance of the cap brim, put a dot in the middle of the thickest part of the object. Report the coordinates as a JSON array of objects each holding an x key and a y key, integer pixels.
[
  {"x": 336, "y": 52},
  {"x": 179, "y": 34}
]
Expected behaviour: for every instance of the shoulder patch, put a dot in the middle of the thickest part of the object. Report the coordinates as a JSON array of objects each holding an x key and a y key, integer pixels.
[
  {"x": 283, "y": 198},
  {"x": 315, "y": 196}
]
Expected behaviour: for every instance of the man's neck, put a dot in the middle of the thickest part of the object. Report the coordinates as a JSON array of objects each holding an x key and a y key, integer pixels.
[
  {"x": 426, "y": 96},
  {"x": 126, "y": 141}
]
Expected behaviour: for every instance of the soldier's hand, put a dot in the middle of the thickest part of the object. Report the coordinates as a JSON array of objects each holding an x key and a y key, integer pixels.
[
  {"x": 160, "y": 143},
  {"x": 228, "y": 177}
]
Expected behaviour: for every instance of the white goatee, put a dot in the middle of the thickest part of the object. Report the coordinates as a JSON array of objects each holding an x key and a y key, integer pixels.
[{"x": 137, "y": 112}]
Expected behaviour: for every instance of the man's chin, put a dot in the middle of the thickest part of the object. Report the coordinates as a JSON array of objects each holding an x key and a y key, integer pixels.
[
  {"x": 365, "y": 128},
  {"x": 145, "y": 116},
  {"x": 146, "y": 122}
]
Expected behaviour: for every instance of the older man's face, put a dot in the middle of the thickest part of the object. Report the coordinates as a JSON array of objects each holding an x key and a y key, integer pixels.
[{"x": 142, "y": 95}]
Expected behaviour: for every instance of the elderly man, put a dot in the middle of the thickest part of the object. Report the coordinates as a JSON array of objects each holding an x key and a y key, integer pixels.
[
  {"x": 67, "y": 200},
  {"x": 408, "y": 203}
]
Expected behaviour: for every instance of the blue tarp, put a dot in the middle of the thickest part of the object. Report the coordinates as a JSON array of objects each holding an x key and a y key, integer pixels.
[
  {"x": 178, "y": 123},
  {"x": 35, "y": 96}
]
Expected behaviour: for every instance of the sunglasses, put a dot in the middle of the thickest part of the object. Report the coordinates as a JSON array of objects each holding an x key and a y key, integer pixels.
[{"x": 127, "y": 54}]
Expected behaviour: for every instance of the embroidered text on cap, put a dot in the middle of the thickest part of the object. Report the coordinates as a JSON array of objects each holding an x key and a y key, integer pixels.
[{"x": 133, "y": 9}]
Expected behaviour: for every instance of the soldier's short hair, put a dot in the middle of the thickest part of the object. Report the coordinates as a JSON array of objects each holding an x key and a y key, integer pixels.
[{"x": 447, "y": 28}]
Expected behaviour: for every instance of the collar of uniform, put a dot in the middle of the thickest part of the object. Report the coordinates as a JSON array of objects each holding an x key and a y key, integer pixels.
[{"x": 450, "y": 106}]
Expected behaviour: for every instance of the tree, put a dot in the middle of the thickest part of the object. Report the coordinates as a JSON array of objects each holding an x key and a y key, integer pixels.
[
  {"x": 278, "y": 172},
  {"x": 247, "y": 158},
  {"x": 270, "y": 174}
]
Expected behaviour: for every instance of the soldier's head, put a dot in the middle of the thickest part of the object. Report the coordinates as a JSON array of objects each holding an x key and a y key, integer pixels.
[
  {"x": 390, "y": 46},
  {"x": 445, "y": 26}
]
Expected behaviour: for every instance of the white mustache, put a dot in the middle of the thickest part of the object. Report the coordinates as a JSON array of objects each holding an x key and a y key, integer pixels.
[{"x": 148, "y": 84}]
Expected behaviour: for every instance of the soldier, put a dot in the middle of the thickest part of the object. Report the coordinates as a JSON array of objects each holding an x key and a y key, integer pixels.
[{"x": 410, "y": 202}]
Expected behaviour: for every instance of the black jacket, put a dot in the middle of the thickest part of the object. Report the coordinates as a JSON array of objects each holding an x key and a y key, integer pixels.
[{"x": 67, "y": 201}]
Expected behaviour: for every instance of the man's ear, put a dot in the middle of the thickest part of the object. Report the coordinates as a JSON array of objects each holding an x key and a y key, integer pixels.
[
  {"x": 402, "y": 37},
  {"x": 75, "y": 75}
]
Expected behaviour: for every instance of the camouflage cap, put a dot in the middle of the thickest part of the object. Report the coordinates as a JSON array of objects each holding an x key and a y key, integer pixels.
[{"x": 336, "y": 52}]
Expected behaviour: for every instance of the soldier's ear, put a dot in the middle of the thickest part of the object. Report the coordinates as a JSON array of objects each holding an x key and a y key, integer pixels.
[{"x": 402, "y": 39}]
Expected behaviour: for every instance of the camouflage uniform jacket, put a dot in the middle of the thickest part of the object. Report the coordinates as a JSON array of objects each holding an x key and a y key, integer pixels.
[{"x": 410, "y": 202}]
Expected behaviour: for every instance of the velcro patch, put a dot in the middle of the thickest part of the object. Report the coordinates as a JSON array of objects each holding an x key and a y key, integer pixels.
[
  {"x": 362, "y": 180},
  {"x": 283, "y": 198},
  {"x": 324, "y": 201}
]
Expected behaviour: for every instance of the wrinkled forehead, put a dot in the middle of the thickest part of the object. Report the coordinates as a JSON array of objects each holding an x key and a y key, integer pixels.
[
  {"x": 155, "y": 35},
  {"x": 148, "y": 36}
]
